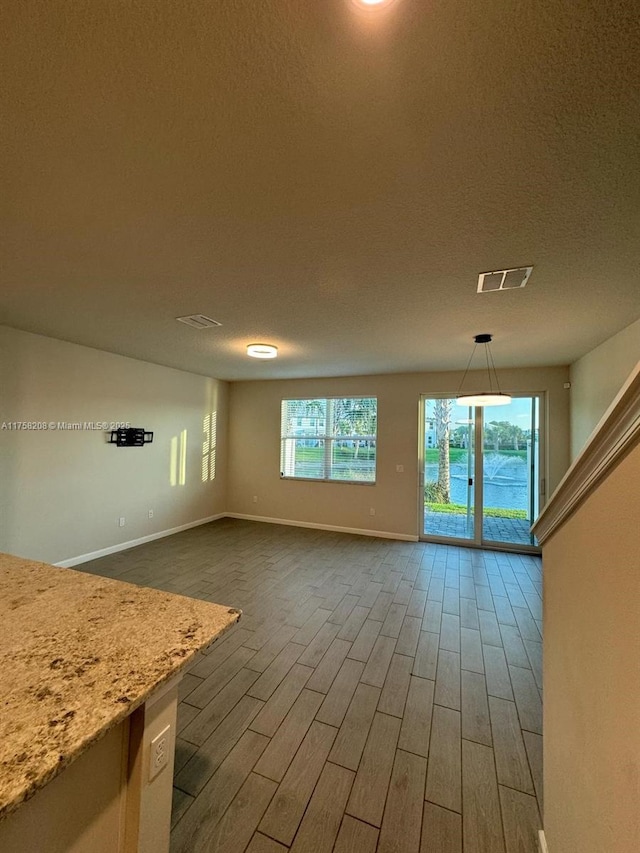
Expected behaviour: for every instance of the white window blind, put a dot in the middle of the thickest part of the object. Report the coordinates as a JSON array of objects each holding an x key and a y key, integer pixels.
[{"x": 331, "y": 438}]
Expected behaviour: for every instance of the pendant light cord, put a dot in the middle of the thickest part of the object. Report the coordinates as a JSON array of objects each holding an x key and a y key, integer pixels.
[
  {"x": 490, "y": 367},
  {"x": 486, "y": 355},
  {"x": 473, "y": 351},
  {"x": 495, "y": 372}
]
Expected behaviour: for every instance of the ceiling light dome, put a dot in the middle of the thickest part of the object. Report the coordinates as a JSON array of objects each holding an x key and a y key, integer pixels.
[
  {"x": 484, "y": 398},
  {"x": 372, "y": 3},
  {"x": 262, "y": 351}
]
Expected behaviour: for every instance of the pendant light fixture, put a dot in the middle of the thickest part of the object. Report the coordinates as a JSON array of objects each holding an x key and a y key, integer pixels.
[{"x": 491, "y": 397}]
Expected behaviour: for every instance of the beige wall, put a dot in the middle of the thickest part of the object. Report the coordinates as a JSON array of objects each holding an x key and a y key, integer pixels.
[
  {"x": 592, "y": 672},
  {"x": 254, "y": 463},
  {"x": 596, "y": 378},
  {"x": 81, "y": 810},
  {"x": 62, "y": 492},
  {"x": 105, "y": 802}
]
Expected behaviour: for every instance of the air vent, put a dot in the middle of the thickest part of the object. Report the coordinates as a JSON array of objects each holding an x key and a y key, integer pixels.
[
  {"x": 198, "y": 321},
  {"x": 503, "y": 279}
]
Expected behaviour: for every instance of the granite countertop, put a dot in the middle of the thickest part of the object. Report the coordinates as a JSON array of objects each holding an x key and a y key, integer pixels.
[{"x": 78, "y": 653}]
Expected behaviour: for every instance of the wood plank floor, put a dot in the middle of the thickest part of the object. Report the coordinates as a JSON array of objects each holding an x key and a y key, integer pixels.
[{"x": 375, "y": 696}]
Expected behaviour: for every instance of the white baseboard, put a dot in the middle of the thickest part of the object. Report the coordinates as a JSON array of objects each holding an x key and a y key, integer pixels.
[
  {"x": 122, "y": 546},
  {"x": 358, "y": 531},
  {"x": 542, "y": 842}
]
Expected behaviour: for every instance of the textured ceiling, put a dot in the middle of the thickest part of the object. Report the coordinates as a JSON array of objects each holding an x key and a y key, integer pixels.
[{"x": 324, "y": 178}]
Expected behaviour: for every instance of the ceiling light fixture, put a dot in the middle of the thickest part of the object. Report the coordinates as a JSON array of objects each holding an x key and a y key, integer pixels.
[
  {"x": 370, "y": 3},
  {"x": 262, "y": 351},
  {"x": 492, "y": 397}
]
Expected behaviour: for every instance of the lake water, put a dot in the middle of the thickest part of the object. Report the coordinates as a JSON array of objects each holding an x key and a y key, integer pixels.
[{"x": 505, "y": 488}]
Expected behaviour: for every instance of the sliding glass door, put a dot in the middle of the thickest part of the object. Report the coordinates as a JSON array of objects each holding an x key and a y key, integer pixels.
[
  {"x": 481, "y": 471},
  {"x": 510, "y": 489},
  {"x": 449, "y": 466}
]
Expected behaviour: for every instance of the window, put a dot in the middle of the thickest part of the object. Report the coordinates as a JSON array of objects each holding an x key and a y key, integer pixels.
[{"x": 329, "y": 439}]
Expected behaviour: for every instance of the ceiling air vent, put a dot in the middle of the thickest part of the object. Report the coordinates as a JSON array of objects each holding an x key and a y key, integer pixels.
[
  {"x": 503, "y": 279},
  {"x": 198, "y": 321}
]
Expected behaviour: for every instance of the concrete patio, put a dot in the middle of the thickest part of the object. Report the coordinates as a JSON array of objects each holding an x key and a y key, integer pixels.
[{"x": 513, "y": 530}]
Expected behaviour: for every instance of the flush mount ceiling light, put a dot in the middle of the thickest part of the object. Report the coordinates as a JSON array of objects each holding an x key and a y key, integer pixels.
[
  {"x": 262, "y": 351},
  {"x": 492, "y": 396},
  {"x": 369, "y": 4}
]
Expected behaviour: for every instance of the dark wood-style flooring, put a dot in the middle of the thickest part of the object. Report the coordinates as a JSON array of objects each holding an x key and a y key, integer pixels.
[{"x": 375, "y": 696}]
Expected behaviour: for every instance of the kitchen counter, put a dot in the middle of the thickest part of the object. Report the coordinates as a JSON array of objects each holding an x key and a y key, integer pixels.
[{"x": 78, "y": 654}]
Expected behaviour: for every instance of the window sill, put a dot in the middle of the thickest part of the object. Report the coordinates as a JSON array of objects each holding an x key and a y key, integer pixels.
[{"x": 324, "y": 480}]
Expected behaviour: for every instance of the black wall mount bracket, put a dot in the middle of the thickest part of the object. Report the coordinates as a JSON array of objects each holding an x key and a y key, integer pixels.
[{"x": 130, "y": 437}]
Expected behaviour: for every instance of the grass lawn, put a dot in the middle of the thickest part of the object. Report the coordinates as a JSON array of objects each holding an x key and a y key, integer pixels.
[
  {"x": 309, "y": 462},
  {"x": 345, "y": 454},
  {"x": 341, "y": 454},
  {"x": 456, "y": 454},
  {"x": 459, "y": 454},
  {"x": 489, "y": 512}
]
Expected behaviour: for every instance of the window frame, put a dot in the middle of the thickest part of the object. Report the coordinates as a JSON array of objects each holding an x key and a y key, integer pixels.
[{"x": 327, "y": 439}]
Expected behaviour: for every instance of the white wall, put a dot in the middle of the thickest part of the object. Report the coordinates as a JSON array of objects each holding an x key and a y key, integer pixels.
[
  {"x": 62, "y": 492},
  {"x": 254, "y": 464},
  {"x": 596, "y": 378}
]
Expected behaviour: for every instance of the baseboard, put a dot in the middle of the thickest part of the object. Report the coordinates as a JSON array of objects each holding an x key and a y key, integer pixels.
[
  {"x": 123, "y": 546},
  {"x": 358, "y": 531},
  {"x": 542, "y": 842}
]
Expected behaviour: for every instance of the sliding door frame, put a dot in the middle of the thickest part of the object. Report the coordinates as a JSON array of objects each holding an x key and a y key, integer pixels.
[{"x": 478, "y": 480}]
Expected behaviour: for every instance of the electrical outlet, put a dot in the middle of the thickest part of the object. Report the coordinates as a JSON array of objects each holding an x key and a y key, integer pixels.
[
  {"x": 400, "y": 469},
  {"x": 150, "y": 513},
  {"x": 372, "y": 511},
  {"x": 255, "y": 499},
  {"x": 159, "y": 752},
  {"x": 121, "y": 521}
]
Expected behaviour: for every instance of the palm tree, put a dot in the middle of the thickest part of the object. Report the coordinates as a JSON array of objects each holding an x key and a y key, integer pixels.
[
  {"x": 516, "y": 436},
  {"x": 442, "y": 417},
  {"x": 355, "y": 416},
  {"x": 498, "y": 433}
]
